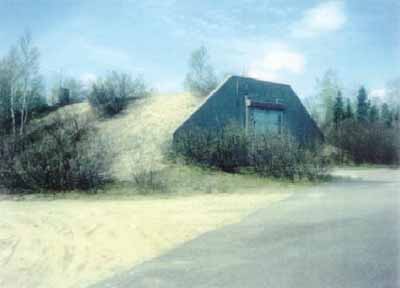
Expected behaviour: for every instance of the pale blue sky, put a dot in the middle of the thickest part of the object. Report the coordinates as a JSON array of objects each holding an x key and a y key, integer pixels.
[{"x": 285, "y": 41}]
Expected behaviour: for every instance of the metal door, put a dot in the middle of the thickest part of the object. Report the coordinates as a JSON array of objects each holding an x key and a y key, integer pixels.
[{"x": 264, "y": 121}]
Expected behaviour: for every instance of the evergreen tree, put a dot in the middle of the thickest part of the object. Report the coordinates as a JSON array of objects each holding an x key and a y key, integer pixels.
[
  {"x": 362, "y": 105},
  {"x": 338, "y": 109},
  {"x": 387, "y": 116},
  {"x": 373, "y": 115},
  {"x": 396, "y": 118},
  {"x": 349, "y": 110}
]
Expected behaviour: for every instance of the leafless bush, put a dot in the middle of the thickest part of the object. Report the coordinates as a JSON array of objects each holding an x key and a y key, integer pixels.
[
  {"x": 225, "y": 148},
  {"x": 150, "y": 180},
  {"x": 230, "y": 149},
  {"x": 110, "y": 96},
  {"x": 283, "y": 157},
  {"x": 56, "y": 157},
  {"x": 367, "y": 142},
  {"x": 146, "y": 173}
]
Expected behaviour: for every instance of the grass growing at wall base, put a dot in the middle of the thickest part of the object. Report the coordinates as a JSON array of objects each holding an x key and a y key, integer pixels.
[{"x": 187, "y": 180}]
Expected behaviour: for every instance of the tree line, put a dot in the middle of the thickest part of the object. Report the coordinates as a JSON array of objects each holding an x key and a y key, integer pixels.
[
  {"x": 359, "y": 127},
  {"x": 365, "y": 133}
]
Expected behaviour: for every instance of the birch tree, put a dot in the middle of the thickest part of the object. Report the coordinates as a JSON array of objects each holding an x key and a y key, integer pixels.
[
  {"x": 29, "y": 76},
  {"x": 328, "y": 88},
  {"x": 9, "y": 75},
  {"x": 20, "y": 85},
  {"x": 201, "y": 78}
]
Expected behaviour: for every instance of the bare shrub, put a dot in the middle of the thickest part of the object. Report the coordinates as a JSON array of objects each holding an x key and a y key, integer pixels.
[
  {"x": 225, "y": 148},
  {"x": 283, "y": 157},
  {"x": 146, "y": 173},
  {"x": 230, "y": 149},
  {"x": 367, "y": 142},
  {"x": 110, "y": 96},
  {"x": 56, "y": 157},
  {"x": 150, "y": 180}
]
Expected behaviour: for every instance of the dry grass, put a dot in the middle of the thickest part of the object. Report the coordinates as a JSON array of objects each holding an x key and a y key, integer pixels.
[{"x": 142, "y": 132}]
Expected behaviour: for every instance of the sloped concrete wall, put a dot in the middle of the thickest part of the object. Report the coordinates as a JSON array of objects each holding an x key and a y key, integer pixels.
[{"x": 226, "y": 105}]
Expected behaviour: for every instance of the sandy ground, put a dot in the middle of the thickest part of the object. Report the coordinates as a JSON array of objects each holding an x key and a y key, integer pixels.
[
  {"x": 73, "y": 243},
  {"x": 143, "y": 131}
]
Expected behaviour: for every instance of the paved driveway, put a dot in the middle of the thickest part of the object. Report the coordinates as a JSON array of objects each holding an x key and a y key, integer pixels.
[{"x": 341, "y": 234}]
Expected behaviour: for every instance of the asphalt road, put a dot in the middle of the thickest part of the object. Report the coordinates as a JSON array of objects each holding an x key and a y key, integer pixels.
[{"x": 341, "y": 234}]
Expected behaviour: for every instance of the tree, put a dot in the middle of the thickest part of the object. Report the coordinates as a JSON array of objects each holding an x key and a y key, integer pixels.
[
  {"x": 310, "y": 102},
  {"x": 328, "y": 88},
  {"x": 386, "y": 115},
  {"x": 30, "y": 79},
  {"x": 373, "y": 115},
  {"x": 201, "y": 79},
  {"x": 338, "y": 111},
  {"x": 64, "y": 96},
  {"x": 396, "y": 118},
  {"x": 338, "y": 117},
  {"x": 393, "y": 93},
  {"x": 10, "y": 74},
  {"x": 362, "y": 105},
  {"x": 393, "y": 99},
  {"x": 20, "y": 85},
  {"x": 349, "y": 110}
]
